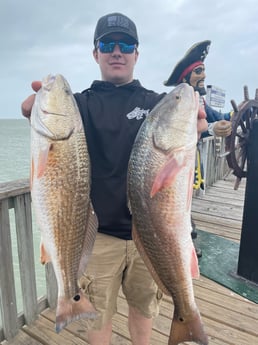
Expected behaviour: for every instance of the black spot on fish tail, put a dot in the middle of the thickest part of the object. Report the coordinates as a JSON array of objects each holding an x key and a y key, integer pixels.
[{"x": 77, "y": 298}]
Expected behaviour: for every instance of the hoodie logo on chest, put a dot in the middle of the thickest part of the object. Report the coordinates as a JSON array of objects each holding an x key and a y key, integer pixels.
[{"x": 138, "y": 113}]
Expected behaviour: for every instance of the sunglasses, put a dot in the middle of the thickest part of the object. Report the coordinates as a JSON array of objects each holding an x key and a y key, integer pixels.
[
  {"x": 199, "y": 70},
  {"x": 108, "y": 47}
]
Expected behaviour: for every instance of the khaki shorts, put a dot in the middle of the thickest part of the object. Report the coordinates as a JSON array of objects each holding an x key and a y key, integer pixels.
[{"x": 115, "y": 263}]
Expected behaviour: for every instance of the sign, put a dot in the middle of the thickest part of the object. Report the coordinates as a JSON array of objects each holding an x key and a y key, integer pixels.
[{"x": 215, "y": 96}]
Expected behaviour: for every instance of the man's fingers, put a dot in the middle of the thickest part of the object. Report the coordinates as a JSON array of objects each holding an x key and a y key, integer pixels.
[
  {"x": 36, "y": 85},
  {"x": 27, "y": 105}
]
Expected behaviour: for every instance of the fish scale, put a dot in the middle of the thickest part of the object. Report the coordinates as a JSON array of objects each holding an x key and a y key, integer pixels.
[
  {"x": 60, "y": 189},
  {"x": 160, "y": 183}
]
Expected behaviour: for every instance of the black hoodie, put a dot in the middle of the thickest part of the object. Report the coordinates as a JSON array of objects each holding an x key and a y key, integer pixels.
[{"x": 112, "y": 116}]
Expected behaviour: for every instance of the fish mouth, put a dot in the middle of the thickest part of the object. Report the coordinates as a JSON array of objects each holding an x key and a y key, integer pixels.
[
  {"x": 42, "y": 129},
  {"x": 45, "y": 112},
  {"x": 48, "y": 116}
]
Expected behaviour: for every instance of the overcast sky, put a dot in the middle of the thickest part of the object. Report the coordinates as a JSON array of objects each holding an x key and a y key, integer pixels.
[{"x": 56, "y": 36}]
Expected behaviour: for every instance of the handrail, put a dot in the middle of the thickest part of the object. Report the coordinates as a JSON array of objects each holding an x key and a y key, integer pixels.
[
  {"x": 213, "y": 159},
  {"x": 16, "y": 195}
]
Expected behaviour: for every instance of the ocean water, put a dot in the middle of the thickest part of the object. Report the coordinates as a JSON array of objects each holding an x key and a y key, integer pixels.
[
  {"x": 14, "y": 149},
  {"x": 14, "y": 165}
]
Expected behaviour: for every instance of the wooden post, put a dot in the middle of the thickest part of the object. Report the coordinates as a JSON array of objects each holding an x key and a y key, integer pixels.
[
  {"x": 52, "y": 291},
  {"x": 248, "y": 253},
  {"x": 7, "y": 286},
  {"x": 22, "y": 207}
]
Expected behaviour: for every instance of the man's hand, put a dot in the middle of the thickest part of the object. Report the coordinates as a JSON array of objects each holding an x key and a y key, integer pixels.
[
  {"x": 222, "y": 128},
  {"x": 28, "y": 103}
]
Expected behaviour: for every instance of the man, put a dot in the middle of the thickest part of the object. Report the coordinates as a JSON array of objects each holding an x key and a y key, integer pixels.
[
  {"x": 191, "y": 69},
  {"x": 113, "y": 110}
]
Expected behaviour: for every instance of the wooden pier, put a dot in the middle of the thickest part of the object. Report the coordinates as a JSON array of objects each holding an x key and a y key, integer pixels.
[{"x": 229, "y": 319}]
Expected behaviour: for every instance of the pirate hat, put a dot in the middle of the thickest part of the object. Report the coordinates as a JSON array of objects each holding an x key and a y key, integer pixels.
[{"x": 193, "y": 57}]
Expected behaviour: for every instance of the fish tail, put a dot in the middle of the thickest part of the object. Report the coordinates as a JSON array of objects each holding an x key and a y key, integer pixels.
[
  {"x": 190, "y": 330},
  {"x": 69, "y": 310}
]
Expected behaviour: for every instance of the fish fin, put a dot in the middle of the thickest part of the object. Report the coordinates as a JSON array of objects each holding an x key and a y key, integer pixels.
[
  {"x": 44, "y": 257},
  {"x": 89, "y": 240},
  {"x": 42, "y": 161},
  {"x": 166, "y": 175},
  {"x": 147, "y": 261},
  {"x": 187, "y": 330},
  {"x": 69, "y": 310},
  {"x": 194, "y": 265}
]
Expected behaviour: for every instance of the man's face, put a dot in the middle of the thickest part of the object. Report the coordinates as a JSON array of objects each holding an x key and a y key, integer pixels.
[
  {"x": 116, "y": 67},
  {"x": 197, "y": 78}
]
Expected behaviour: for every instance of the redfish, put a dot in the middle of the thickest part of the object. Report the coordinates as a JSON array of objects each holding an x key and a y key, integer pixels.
[
  {"x": 160, "y": 185},
  {"x": 60, "y": 190}
]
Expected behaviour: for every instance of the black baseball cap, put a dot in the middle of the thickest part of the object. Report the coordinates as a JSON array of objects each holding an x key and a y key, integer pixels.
[{"x": 115, "y": 22}]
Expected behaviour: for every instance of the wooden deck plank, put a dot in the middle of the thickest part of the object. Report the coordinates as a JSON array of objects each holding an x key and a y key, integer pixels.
[
  {"x": 216, "y": 225},
  {"x": 210, "y": 208},
  {"x": 229, "y": 319},
  {"x": 44, "y": 330},
  {"x": 22, "y": 339},
  {"x": 219, "y": 210}
]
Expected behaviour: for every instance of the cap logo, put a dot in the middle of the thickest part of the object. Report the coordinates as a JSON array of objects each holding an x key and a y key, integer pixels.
[{"x": 118, "y": 21}]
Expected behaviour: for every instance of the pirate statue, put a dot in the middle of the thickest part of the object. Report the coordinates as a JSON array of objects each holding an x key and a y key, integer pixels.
[{"x": 190, "y": 69}]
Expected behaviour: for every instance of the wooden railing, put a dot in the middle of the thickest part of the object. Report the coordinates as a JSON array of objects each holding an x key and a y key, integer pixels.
[
  {"x": 214, "y": 159},
  {"x": 15, "y": 196}
]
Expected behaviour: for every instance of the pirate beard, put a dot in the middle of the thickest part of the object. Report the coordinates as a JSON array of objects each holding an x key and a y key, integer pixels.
[{"x": 201, "y": 90}]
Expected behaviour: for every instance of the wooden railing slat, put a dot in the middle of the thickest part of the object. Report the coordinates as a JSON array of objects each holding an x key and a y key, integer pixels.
[
  {"x": 7, "y": 284},
  {"x": 23, "y": 219},
  {"x": 51, "y": 285}
]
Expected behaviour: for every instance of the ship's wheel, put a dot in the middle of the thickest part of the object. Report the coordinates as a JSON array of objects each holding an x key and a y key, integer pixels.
[{"x": 237, "y": 143}]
